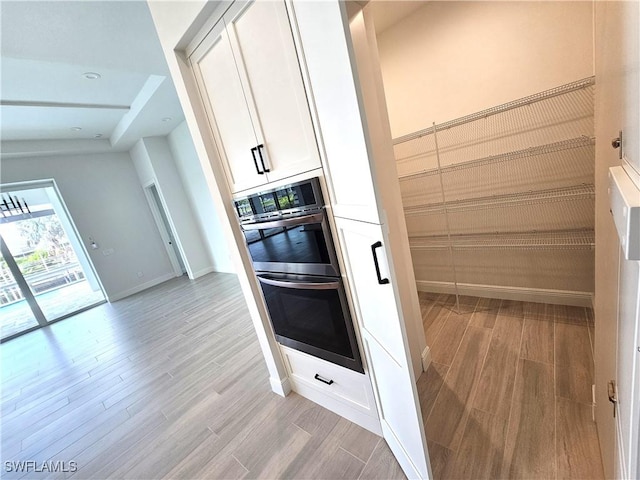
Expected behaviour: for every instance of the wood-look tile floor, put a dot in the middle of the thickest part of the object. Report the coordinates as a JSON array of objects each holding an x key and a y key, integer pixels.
[
  {"x": 508, "y": 394},
  {"x": 169, "y": 383}
]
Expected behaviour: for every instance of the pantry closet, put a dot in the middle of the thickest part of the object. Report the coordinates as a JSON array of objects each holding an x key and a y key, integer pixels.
[
  {"x": 491, "y": 111},
  {"x": 502, "y": 201}
]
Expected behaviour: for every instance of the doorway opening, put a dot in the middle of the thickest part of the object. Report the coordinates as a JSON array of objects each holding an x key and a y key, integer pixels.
[
  {"x": 166, "y": 231},
  {"x": 45, "y": 273},
  {"x": 494, "y": 149}
]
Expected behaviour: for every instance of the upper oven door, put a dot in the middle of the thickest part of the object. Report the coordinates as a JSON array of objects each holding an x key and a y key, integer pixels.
[{"x": 300, "y": 244}]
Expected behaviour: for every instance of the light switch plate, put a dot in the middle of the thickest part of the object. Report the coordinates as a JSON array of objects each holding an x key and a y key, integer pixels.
[{"x": 624, "y": 202}]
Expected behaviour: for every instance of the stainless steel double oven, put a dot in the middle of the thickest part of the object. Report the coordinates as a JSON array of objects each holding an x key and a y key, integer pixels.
[{"x": 289, "y": 240}]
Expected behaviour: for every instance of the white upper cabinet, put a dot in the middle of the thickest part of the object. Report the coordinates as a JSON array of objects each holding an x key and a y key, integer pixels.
[
  {"x": 262, "y": 36},
  {"x": 231, "y": 124},
  {"x": 248, "y": 71}
]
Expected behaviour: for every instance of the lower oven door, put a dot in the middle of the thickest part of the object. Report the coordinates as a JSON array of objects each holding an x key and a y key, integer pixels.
[{"x": 310, "y": 314}]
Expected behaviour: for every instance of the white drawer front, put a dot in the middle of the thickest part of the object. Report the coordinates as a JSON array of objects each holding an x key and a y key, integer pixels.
[{"x": 346, "y": 385}]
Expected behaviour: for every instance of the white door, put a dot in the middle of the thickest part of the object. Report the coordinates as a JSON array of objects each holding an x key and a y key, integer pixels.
[
  {"x": 164, "y": 227},
  {"x": 265, "y": 54},
  {"x": 220, "y": 87},
  {"x": 385, "y": 345},
  {"x": 617, "y": 282}
]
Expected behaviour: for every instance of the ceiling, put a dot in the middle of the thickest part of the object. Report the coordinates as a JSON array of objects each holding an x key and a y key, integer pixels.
[{"x": 48, "y": 105}]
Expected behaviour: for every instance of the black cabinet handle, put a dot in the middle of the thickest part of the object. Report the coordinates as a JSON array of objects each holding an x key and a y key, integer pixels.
[
  {"x": 260, "y": 147},
  {"x": 381, "y": 281},
  {"x": 255, "y": 160},
  {"x": 323, "y": 380}
]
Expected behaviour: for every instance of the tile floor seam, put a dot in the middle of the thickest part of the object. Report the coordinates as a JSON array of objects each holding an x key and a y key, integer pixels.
[
  {"x": 239, "y": 462},
  {"x": 473, "y": 393},
  {"x": 591, "y": 343},
  {"x": 437, "y": 334},
  {"x": 340, "y": 447},
  {"x": 370, "y": 455},
  {"x": 435, "y": 399},
  {"x": 444, "y": 380},
  {"x": 555, "y": 403},
  {"x": 427, "y": 312},
  {"x": 515, "y": 379}
]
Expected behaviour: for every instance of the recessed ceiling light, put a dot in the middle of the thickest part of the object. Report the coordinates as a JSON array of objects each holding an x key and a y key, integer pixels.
[
  {"x": 167, "y": 119},
  {"x": 97, "y": 135},
  {"x": 91, "y": 75},
  {"x": 76, "y": 129}
]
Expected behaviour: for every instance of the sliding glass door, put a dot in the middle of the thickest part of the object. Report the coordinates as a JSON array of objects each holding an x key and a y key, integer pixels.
[
  {"x": 16, "y": 312},
  {"x": 45, "y": 269}
]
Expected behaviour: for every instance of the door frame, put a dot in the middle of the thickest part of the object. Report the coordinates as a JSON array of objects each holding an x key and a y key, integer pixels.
[
  {"x": 617, "y": 299},
  {"x": 165, "y": 234}
]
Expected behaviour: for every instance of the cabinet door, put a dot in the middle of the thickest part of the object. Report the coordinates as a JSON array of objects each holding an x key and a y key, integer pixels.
[
  {"x": 325, "y": 47},
  {"x": 220, "y": 86},
  {"x": 263, "y": 46},
  {"x": 385, "y": 343}
]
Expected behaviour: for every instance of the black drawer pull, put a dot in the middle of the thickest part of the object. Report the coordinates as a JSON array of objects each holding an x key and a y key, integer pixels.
[
  {"x": 260, "y": 148},
  {"x": 255, "y": 160},
  {"x": 323, "y": 380},
  {"x": 381, "y": 281}
]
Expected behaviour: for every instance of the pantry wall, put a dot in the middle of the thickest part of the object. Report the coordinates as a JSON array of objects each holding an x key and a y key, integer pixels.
[{"x": 510, "y": 212}]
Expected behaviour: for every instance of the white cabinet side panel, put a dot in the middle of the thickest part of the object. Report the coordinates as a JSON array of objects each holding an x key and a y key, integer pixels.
[{"x": 325, "y": 51}]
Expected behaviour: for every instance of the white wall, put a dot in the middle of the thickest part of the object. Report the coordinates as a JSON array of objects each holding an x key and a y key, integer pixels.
[
  {"x": 155, "y": 164},
  {"x": 76, "y": 243},
  {"x": 197, "y": 191},
  {"x": 456, "y": 58},
  {"x": 106, "y": 202},
  {"x": 142, "y": 163}
]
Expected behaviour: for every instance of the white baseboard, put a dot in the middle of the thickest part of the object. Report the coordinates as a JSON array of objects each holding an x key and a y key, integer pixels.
[
  {"x": 426, "y": 358},
  {"x": 139, "y": 288},
  {"x": 538, "y": 295},
  {"x": 224, "y": 269},
  {"x": 202, "y": 272},
  {"x": 281, "y": 386}
]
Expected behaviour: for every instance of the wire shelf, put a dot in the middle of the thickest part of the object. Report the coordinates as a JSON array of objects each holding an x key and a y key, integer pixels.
[
  {"x": 557, "y": 239},
  {"x": 583, "y": 141},
  {"x": 505, "y": 196},
  {"x": 531, "y": 99},
  {"x": 516, "y": 199}
]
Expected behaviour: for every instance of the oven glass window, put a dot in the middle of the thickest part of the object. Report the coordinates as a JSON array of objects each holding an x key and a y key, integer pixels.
[
  {"x": 243, "y": 207},
  {"x": 312, "y": 317},
  {"x": 297, "y": 244},
  {"x": 297, "y": 196},
  {"x": 266, "y": 203}
]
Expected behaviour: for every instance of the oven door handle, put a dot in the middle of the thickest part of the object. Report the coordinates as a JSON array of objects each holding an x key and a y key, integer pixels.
[
  {"x": 299, "y": 285},
  {"x": 287, "y": 222}
]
